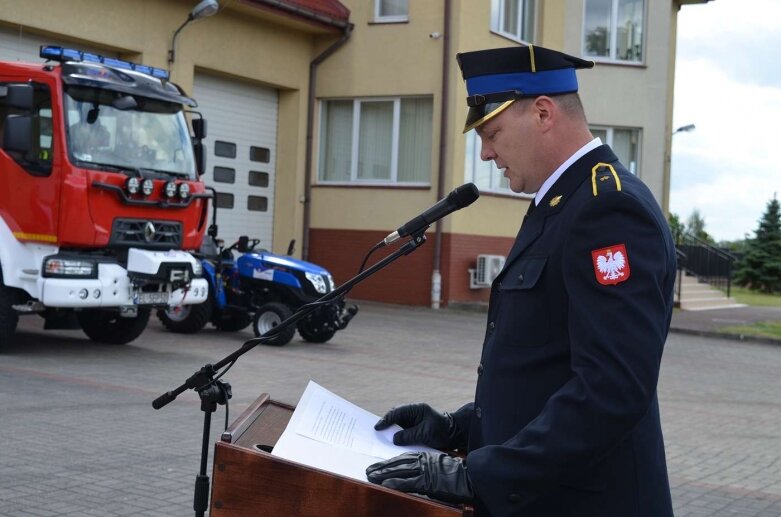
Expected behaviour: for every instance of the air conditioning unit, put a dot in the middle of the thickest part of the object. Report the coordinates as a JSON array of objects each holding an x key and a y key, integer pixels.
[{"x": 488, "y": 268}]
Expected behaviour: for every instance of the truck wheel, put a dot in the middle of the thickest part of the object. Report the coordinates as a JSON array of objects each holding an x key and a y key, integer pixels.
[
  {"x": 8, "y": 317},
  {"x": 314, "y": 334},
  {"x": 186, "y": 319},
  {"x": 269, "y": 316},
  {"x": 109, "y": 327},
  {"x": 232, "y": 320}
]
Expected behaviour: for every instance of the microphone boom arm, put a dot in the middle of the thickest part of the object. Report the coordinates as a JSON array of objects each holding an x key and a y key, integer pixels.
[{"x": 205, "y": 375}]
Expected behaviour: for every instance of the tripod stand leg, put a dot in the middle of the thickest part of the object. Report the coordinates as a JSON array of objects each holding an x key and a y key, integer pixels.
[{"x": 201, "y": 499}]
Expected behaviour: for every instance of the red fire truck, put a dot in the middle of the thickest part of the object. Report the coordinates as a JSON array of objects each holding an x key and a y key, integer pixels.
[{"x": 100, "y": 196}]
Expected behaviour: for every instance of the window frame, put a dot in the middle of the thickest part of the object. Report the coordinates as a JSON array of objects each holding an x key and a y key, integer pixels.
[
  {"x": 497, "y": 20},
  {"x": 611, "y": 59},
  {"x": 398, "y": 18},
  {"x": 609, "y": 132},
  {"x": 469, "y": 170},
  {"x": 355, "y": 144}
]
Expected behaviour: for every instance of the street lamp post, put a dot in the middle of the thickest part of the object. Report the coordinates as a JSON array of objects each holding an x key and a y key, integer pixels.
[{"x": 685, "y": 129}]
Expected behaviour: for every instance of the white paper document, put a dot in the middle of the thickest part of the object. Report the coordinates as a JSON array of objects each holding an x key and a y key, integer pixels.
[{"x": 330, "y": 433}]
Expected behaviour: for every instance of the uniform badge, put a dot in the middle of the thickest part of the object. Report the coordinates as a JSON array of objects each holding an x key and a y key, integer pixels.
[
  {"x": 555, "y": 201},
  {"x": 611, "y": 264}
]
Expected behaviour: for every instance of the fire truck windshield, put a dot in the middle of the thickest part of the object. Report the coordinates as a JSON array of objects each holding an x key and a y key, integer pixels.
[{"x": 107, "y": 129}]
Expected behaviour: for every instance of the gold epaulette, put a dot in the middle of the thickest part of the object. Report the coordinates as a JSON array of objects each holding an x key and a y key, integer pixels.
[{"x": 604, "y": 176}]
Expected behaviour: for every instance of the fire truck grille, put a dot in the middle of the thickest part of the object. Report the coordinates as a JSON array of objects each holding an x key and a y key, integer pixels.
[{"x": 140, "y": 233}]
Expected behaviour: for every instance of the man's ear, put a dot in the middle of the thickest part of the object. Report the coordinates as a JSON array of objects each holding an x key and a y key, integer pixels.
[{"x": 545, "y": 111}]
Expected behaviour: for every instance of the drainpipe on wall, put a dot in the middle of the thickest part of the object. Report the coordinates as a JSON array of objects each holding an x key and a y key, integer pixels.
[
  {"x": 436, "y": 276},
  {"x": 310, "y": 122}
]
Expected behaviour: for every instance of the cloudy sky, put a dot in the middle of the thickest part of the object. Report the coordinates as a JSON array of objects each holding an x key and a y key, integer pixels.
[{"x": 727, "y": 83}]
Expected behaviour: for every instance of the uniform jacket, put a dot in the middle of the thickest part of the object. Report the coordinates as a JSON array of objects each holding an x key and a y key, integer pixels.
[{"x": 565, "y": 419}]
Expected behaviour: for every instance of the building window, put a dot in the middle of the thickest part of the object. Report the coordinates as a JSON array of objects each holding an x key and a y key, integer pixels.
[
  {"x": 224, "y": 175},
  {"x": 259, "y": 154},
  {"x": 378, "y": 141},
  {"x": 513, "y": 19},
  {"x": 224, "y": 200},
  {"x": 391, "y": 11},
  {"x": 257, "y": 203},
  {"x": 625, "y": 142},
  {"x": 614, "y": 30},
  {"x": 258, "y": 179},
  {"x": 483, "y": 174},
  {"x": 224, "y": 149}
]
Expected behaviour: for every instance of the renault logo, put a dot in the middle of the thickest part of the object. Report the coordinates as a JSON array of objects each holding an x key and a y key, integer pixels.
[{"x": 149, "y": 231}]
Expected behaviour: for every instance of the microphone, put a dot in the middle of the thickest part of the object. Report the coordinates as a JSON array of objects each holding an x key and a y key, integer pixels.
[{"x": 461, "y": 197}]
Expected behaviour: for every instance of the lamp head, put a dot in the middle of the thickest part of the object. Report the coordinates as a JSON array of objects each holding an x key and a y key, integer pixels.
[{"x": 204, "y": 8}]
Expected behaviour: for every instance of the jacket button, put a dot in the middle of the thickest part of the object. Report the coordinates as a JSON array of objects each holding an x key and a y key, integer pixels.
[
  {"x": 520, "y": 277},
  {"x": 480, "y": 369},
  {"x": 491, "y": 326},
  {"x": 514, "y": 498},
  {"x": 478, "y": 412}
]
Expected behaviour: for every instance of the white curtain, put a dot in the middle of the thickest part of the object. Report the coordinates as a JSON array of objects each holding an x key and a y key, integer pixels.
[
  {"x": 336, "y": 133},
  {"x": 415, "y": 140},
  {"x": 375, "y": 141}
]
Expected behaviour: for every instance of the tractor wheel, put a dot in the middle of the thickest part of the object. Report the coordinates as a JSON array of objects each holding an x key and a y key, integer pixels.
[
  {"x": 8, "y": 317},
  {"x": 269, "y": 316},
  {"x": 314, "y": 334},
  {"x": 231, "y": 320},
  {"x": 186, "y": 319},
  {"x": 109, "y": 327}
]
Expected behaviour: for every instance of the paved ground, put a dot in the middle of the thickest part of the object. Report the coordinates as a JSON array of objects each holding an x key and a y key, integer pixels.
[{"x": 81, "y": 437}]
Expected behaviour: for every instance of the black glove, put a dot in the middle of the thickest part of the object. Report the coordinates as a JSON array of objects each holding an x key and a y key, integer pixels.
[
  {"x": 422, "y": 424},
  {"x": 436, "y": 475}
]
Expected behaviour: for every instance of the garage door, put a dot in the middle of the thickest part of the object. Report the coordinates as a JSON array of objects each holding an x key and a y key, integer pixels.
[
  {"x": 24, "y": 46},
  {"x": 241, "y": 157}
]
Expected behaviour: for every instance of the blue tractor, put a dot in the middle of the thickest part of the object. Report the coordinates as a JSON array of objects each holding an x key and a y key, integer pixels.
[{"x": 261, "y": 288}]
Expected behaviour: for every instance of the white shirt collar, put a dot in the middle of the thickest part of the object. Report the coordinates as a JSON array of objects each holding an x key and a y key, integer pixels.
[{"x": 563, "y": 167}]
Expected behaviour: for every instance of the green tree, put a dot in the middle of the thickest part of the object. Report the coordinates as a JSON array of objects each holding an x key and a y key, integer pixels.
[
  {"x": 676, "y": 226},
  {"x": 695, "y": 225},
  {"x": 760, "y": 267}
]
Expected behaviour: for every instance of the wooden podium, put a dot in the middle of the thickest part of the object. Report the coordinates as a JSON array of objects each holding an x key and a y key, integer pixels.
[{"x": 248, "y": 481}]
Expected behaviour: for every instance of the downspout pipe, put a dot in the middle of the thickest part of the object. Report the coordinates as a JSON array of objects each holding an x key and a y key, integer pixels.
[
  {"x": 310, "y": 123},
  {"x": 436, "y": 275}
]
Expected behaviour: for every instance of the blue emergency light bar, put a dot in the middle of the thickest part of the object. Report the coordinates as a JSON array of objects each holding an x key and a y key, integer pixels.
[{"x": 69, "y": 54}]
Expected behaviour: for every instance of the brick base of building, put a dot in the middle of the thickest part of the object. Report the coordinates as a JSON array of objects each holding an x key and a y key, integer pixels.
[{"x": 408, "y": 280}]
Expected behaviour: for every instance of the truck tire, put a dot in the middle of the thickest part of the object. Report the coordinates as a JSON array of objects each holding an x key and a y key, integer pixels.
[
  {"x": 313, "y": 334},
  {"x": 8, "y": 317},
  {"x": 232, "y": 320},
  {"x": 186, "y": 319},
  {"x": 270, "y": 315},
  {"x": 109, "y": 327}
]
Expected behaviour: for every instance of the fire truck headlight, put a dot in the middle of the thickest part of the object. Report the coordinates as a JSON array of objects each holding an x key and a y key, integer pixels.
[
  {"x": 133, "y": 186},
  {"x": 184, "y": 190},
  {"x": 170, "y": 189},
  {"x": 59, "y": 267},
  {"x": 147, "y": 187}
]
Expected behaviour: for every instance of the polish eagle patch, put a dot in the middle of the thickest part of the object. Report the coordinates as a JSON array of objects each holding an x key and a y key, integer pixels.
[{"x": 611, "y": 264}]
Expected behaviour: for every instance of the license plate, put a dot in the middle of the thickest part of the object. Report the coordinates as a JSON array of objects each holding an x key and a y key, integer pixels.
[{"x": 151, "y": 298}]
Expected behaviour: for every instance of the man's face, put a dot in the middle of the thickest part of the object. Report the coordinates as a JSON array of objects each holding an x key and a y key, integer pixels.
[{"x": 511, "y": 140}]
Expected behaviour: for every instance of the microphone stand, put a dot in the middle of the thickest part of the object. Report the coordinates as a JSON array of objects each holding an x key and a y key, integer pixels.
[{"x": 212, "y": 391}]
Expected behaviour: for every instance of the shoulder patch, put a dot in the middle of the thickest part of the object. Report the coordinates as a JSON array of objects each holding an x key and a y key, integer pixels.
[
  {"x": 611, "y": 264},
  {"x": 604, "y": 176}
]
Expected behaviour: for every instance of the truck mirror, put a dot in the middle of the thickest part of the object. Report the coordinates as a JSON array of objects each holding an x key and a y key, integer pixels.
[
  {"x": 199, "y": 128},
  {"x": 200, "y": 157},
  {"x": 18, "y": 135},
  {"x": 20, "y": 96}
]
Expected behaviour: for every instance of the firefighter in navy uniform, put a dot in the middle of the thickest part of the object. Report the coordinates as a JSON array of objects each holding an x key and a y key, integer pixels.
[{"x": 565, "y": 420}]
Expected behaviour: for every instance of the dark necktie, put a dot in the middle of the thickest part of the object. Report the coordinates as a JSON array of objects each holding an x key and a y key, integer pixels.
[{"x": 529, "y": 211}]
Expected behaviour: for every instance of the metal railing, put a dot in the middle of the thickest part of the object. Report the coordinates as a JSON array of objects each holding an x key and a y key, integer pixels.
[{"x": 705, "y": 261}]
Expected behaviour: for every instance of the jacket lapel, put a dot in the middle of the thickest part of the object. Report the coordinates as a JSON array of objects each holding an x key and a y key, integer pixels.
[{"x": 563, "y": 189}]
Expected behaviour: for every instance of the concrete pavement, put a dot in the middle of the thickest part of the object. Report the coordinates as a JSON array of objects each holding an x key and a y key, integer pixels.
[{"x": 81, "y": 437}]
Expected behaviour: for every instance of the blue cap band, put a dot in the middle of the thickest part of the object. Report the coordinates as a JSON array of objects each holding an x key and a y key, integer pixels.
[{"x": 528, "y": 83}]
